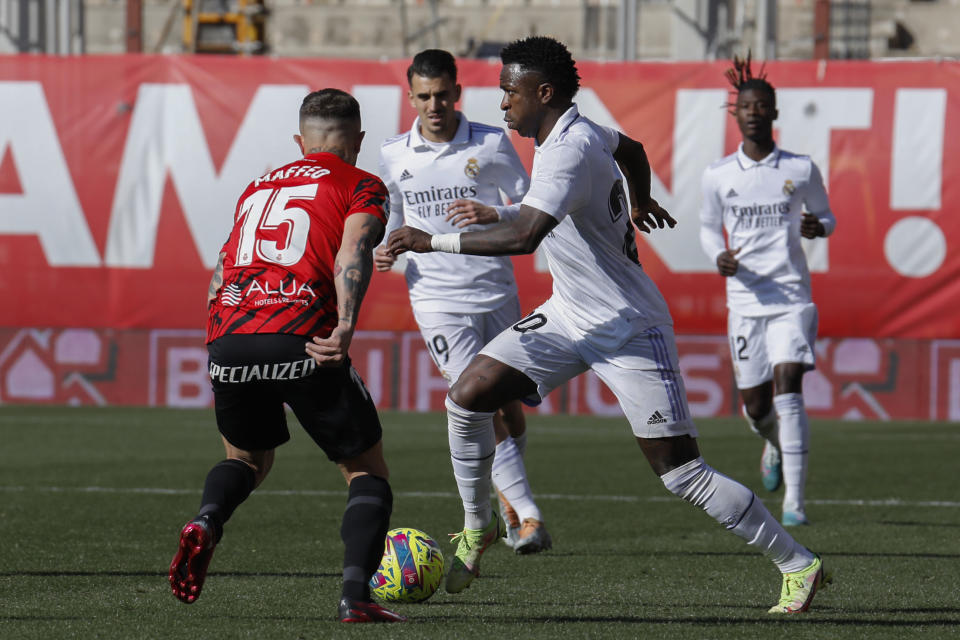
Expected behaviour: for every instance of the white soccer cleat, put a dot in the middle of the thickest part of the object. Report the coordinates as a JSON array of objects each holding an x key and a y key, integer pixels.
[
  {"x": 771, "y": 472},
  {"x": 533, "y": 537},
  {"x": 511, "y": 518}
]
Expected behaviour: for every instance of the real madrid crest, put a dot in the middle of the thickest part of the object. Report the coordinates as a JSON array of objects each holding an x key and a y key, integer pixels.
[
  {"x": 789, "y": 188},
  {"x": 472, "y": 168}
]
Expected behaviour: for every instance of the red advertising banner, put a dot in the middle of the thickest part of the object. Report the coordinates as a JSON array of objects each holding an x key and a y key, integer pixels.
[
  {"x": 856, "y": 378},
  {"x": 118, "y": 178}
]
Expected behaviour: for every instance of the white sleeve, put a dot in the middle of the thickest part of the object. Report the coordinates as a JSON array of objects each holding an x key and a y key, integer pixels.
[
  {"x": 711, "y": 220},
  {"x": 817, "y": 203},
  {"x": 509, "y": 173},
  {"x": 395, "y": 221},
  {"x": 558, "y": 189},
  {"x": 610, "y": 136}
]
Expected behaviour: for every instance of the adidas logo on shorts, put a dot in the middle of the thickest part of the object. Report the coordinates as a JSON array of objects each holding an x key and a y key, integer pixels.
[
  {"x": 406, "y": 175},
  {"x": 732, "y": 194},
  {"x": 656, "y": 418}
]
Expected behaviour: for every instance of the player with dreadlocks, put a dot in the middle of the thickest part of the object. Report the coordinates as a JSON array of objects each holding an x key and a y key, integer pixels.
[
  {"x": 766, "y": 199},
  {"x": 605, "y": 315}
]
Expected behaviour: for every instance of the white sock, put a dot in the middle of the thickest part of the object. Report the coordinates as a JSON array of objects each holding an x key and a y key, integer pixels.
[
  {"x": 510, "y": 477},
  {"x": 472, "y": 445},
  {"x": 794, "y": 443},
  {"x": 521, "y": 442},
  {"x": 739, "y": 510},
  {"x": 765, "y": 427}
]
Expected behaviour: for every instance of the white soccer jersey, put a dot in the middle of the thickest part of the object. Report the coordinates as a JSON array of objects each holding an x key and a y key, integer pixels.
[
  {"x": 591, "y": 253},
  {"x": 760, "y": 204},
  {"x": 424, "y": 178}
]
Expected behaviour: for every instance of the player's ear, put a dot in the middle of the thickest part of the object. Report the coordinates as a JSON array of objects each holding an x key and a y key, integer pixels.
[
  {"x": 457, "y": 89},
  {"x": 299, "y": 140},
  {"x": 413, "y": 103},
  {"x": 359, "y": 141},
  {"x": 776, "y": 114},
  {"x": 545, "y": 92}
]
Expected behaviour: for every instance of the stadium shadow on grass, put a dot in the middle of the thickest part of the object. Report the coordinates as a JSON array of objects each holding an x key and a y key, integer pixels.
[
  {"x": 882, "y": 554},
  {"x": 44, "y": 618},
  {"x": 642, "y": 553},
  {"x": 912, "y": 523},
  {"x": 158, "y": 574}
]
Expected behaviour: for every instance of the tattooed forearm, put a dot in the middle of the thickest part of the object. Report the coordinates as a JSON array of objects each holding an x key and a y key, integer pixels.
[
  {"x": 352, "y": 271},
  {"x": 351, "y": 286},
  {"x": 217, "y": 280}
]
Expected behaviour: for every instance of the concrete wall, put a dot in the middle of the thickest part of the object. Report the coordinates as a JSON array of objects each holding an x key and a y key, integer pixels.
[{"x": 372, "y": 28}]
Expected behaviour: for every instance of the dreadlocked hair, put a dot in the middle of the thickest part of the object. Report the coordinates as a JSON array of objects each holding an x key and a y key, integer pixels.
[
  {"x": 741, "y": 78},
  {"x": 548, "y": 57}
]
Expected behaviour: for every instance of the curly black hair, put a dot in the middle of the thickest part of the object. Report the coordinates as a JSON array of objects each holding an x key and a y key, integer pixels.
[
  {"x": 330, "y": 104},
  {"x": 548, "y": 57},
  {"x": 741, "y": 78},
  {"x": 432, "y": 63}
]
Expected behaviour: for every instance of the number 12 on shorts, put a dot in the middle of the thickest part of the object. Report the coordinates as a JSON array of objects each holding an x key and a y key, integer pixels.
[{"x": 739, "y": 348}]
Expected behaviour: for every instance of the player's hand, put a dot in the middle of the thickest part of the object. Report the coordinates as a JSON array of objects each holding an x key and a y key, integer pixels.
[
  {"x": 811, "y": 227},
  {"x": 463, "y": 213},
  {"x": 332, "y": 351},
  {"x": 382, "y": 258},
  {"x": 650, "y": 215},
  {"x": 726, "y": 262},
  {"x": 408, "y": 239}
]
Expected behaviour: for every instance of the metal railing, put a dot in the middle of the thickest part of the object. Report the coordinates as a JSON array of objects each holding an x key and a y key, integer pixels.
[{"x": 41, "y": 26}]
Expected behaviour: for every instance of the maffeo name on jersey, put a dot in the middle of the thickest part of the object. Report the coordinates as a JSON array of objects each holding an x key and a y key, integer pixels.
[
  {"x": 296, "y": 171},
  {"x": 275, "y": 371},
  {"x": 435, "y": 200},
  {"x": 758, "y": 216}
]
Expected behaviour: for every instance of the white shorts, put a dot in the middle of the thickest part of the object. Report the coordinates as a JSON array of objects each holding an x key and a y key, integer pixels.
[
  {"x": 759, "y": 343},
  {"x": 453, "y": 339},
  {"x": 643, "y": 374}
]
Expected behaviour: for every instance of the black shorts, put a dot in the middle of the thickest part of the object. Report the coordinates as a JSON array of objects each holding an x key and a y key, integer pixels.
[{"x": 253, "y": 375}]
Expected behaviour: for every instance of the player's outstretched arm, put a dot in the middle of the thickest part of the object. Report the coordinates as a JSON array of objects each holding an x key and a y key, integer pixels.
[
  {"x": 352, "y": 269},
  {"x": 516, "y": 237},
  {"x": 647, "y": 213}
]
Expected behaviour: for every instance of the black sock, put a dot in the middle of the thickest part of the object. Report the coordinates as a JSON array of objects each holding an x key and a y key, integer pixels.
[
  {"x": 364, "y": 529},
  {"x": 228, "y": 484}
]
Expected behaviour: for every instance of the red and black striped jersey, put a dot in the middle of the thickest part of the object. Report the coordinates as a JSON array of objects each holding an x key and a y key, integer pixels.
[{"x": 287, "y": 230}]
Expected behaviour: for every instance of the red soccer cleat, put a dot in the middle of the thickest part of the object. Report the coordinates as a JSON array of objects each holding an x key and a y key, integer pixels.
[
  {"x": 189, "y": 567},
  {"x": 360, "y": 611}
]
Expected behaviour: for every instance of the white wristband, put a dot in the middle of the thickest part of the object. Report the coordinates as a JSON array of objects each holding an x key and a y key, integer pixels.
[{"x": 445, "y": 242}]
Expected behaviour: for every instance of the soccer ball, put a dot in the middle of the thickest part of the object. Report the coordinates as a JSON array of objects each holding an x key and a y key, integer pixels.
[{"x": 411, "y": 568}]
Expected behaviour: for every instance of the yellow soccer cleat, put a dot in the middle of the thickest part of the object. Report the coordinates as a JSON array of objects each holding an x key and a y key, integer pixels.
[
  {"x": 800, "y": 587},
  {"x": 471, "y": 543}
]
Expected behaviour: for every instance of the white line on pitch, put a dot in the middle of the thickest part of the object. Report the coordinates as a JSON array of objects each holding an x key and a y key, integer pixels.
[{"x": 882, "y": 502}]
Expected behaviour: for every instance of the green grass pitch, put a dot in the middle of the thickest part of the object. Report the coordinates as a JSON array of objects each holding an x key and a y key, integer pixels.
[{"x": 91, "y": 502}]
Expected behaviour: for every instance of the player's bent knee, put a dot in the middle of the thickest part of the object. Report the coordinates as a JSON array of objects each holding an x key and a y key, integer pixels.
[
  {"x": 370, "y": 462},
  {"x": 260, "y": 462},
  {"x": 698, "y": 483},
  {"x": 472, "y": 395}
]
